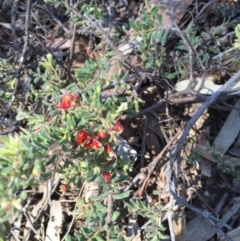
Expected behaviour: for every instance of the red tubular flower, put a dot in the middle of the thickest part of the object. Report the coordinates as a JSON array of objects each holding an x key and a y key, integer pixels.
[
  {"x": 93, "y": 143},
  {"x": 118, "y": 127},
  {"x": 69, "y": 101},
  {"x": 102, "y": 134},
  {"x": 106, "y": 176},
  {"x": 109, "y": 151},
  {"x": 82, "y": 137}
]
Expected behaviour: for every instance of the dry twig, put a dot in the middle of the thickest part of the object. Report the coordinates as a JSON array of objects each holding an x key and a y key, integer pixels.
[
  {"x": 144, "y": 141},
  {"x": 19, "y": 70},
  {"x": 153, "y": 164}
]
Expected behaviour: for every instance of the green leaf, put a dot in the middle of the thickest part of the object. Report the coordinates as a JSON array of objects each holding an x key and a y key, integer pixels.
[
  {"x": 115, "y": 215},
  {"x": 66, "y": 149},
  {"x": 156, "y": 36},
  {"x": 4, "y": 160},
  {"x": 158, "y": 19},
  {"x": 155, "y": 9},
  {"x": 7, "y": 171},
  {"x": 171, "y": 76},
  {"x": 26, "y": 166},
  {"x": 70, "y": 122},
  {"x": 155, "y": 239},
  {"x": 122, "y": 107},
  {"x": 42, "y": 146},
  {"x": 6, "y": 141},
  {"x": 237, "y": 31},
  {"x": 164, "y": 38},
  {"x": 98, "y": 238},
  {"x": 100, "y": 197},
  {"x": 38, "y": 167},
  {"x": 110, "y": 54},
  {"x": 51, "y": 160},
  {"x": 162, "y": 236},
  {"x": 107, "y": 104},
  {"x": 14, "y": 186},
  {"x": 121, "y": 178},
  {"x": 68, "y": 238},
  {"x": 2, "y": 235},
  {"x": 101, "y": 208},
  {"x": 117, "y": 196},
  {"x": 133, "y": 24},
  {"x": 23, "y": 195},
  {"x": 7, "y": 152},
  {"x": 2, "y": 185},
  {"x": 54, "y": 135},
  {"x": 7, "y": 226},
  {"x": 79, "y": 154}
]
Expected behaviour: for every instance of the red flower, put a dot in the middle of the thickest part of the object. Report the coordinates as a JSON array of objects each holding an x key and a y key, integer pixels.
[
  {"x": 82, "y": 137},
  {"x": 109, "y": 151},
  {"x": 84, "y": 140},
  {"x": 118, "y": 127},
  {"x": 93, "y": 143},
  {"x": 106, "y": 176},
  {"x": 102, "y": 134},
  {"x": 69, "y": 101}
]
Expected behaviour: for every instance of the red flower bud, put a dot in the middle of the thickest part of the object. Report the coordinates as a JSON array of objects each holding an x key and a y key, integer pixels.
[
  {"x": 63, "y": 188},
  {"x": 118, "y": 127},
  {"x": 102, "y": 134},
  {"x": 106, "y": 176},
  {"x": 69, "y": 101},
  {"x": 81, "y": 138}
]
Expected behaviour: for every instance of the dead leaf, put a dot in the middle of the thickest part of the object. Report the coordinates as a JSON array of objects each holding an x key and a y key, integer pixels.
[
  {"x": 55, "y": 42},
  {"x": 229, "y": 131},
  {"x": 234, "y": 235},
  {"x": 55, "y": 222},
  {"x": 200, "y": 229},
  {"x": 179, "y": 225},
  {"x": 115, "y": 68},
  {"x": 172, "y": 10},
  {"x": 205, "y": 164},
  {"x": 211, "y": 155}
]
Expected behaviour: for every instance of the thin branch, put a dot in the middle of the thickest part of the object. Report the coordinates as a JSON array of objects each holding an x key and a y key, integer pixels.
[
  {"x": 109, "y": 208},
  {"x": 190, "y": 52},
  {"x": 144, "y": 141},
  {"x": 170, "y": 215},
  {"x": 198, "y": 16},
  {"x": 144, "y": 111},
  {"x": 18, "y": 72}
]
